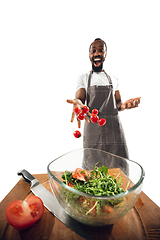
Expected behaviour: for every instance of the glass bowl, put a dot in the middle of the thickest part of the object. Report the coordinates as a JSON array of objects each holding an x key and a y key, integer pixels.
[{"x": 89, "y": 209}]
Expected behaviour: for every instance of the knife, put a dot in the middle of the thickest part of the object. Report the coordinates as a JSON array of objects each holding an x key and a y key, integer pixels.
[{"x": 52, "y": 204}]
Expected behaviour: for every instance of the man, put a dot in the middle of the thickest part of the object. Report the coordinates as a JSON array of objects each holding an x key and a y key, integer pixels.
[{"x": 98, "y": 90}]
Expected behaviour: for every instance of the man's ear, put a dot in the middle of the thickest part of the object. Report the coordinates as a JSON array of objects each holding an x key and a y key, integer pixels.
[{"x": 105, "y": 55}]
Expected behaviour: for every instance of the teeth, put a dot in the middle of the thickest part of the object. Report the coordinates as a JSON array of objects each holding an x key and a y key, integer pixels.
[{"x": 97, "y": 59}]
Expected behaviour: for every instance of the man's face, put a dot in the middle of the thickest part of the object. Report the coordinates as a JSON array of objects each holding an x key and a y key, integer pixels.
[{"x": 97, "y": 55}]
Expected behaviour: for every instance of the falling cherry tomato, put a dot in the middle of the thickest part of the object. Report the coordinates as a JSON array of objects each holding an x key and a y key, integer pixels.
[
  {"x": 77, "y": 134},
  {"x": 81, "y": 116},
  {"x": 94, "y": 118},
  {"x": 95, "y": 111},
  {"x": 85, "y": 109},
  {"x": 81, "y": 112},
  {"x": 102, "y": 122},
  {"x": 77, "y": 110}
]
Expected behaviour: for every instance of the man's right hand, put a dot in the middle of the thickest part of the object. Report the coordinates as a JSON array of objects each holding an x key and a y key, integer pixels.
[{"x": 76, "y": 103}]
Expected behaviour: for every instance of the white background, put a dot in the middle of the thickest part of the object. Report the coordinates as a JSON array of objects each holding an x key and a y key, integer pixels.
[{"x": 43, "y": 49}]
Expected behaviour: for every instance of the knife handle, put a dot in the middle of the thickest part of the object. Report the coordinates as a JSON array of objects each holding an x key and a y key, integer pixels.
[{"x": 26, "y": 175}]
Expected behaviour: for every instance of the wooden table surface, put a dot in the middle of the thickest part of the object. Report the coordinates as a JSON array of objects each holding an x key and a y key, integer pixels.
[{"x": 148, "y": 211}]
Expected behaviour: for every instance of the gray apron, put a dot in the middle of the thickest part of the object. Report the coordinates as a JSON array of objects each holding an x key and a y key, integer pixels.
[{"x": 110, "y": 137}]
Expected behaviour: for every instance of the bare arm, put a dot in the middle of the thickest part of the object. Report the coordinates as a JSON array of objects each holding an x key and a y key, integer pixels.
[
  {"x": 118, "y": 99},
  {"x": 81, "y": 95}
]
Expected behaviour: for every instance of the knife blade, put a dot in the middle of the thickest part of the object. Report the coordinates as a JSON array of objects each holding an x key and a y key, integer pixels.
[{"x": 52, "y": 204}]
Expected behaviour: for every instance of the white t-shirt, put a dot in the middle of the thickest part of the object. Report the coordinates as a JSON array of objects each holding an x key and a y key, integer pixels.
[{"x": 98, "y": 79}]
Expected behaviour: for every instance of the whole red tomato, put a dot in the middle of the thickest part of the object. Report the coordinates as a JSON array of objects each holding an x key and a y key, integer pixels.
[
  {"x": 102, "y": 122},
  {"x": 77, "y": 110},
  {"x": 77, "y": 134},
  {"x": 81, "y": 116},
  {"x": 23, "y": 214},
  {"x": 85, "y": 109},
  {"x": 94, "y": 118}
]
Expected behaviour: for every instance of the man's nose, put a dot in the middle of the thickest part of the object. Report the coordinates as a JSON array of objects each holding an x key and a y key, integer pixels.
[{"x": 97, "y": 53}]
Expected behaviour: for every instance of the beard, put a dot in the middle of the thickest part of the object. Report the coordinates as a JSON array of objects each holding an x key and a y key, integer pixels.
[
  {"x": 97, "y": 63},
  {"x": 97, "y": 69}
]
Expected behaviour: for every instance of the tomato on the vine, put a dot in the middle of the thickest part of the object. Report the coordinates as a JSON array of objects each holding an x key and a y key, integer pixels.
[
  {"x": 85, "y": 109},
  {"x": 77, "y": 134},
  {"x": 77, "y": 110},
  {"x": 102, "y": 122},
  {"x": 94, "y": 118},
  {"x": 81, "y": 116},
  {"x": 23, "y": 214}
]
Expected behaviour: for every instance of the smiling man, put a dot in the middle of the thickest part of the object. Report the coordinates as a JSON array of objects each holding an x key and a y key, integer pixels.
[
  {"x": 97, "y": 58},
  {"x": 98, "y": 90}
]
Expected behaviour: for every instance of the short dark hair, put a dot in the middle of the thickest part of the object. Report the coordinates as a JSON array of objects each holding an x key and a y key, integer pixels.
[{"x": 98, "y": 39}]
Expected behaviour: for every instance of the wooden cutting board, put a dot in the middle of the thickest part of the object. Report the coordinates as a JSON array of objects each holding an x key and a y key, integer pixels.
[{"x": 49, "y": 227}]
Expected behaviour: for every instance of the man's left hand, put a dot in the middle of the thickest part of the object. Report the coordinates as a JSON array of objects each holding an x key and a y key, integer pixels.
[{"x": 131, "y": 103}]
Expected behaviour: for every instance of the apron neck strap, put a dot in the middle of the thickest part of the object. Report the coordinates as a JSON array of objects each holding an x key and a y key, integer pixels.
[
  {"x": 109, "y": 78},
  {"x": 89, "y": 79}
]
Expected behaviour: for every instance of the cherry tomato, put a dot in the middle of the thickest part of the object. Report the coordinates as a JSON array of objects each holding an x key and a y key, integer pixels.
[
  {"x": 81, "y": 116},
  {"x": 70, "y": 184},
  {"x": 77, "y": 134},
  {"x": 95, "y": 111},
  {"x": 94, "y": 118},
  {"x": 85, "y": 109},
  {"x": 107, "y": 209},
  {"x": 23, "y": 214},
  {"x": 77, "y": 110},
  {"x": 80, "y": 174},
  {"x": 102, "y": 122}
]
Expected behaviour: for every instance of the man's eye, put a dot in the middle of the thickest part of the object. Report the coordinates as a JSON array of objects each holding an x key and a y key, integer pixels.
[{"x": 93, "y": 51}]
